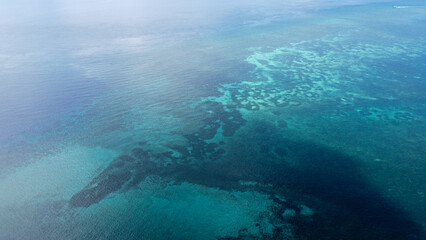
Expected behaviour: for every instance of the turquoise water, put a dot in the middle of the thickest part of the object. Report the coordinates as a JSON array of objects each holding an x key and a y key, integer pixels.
[{"x": 213, "y": 120}]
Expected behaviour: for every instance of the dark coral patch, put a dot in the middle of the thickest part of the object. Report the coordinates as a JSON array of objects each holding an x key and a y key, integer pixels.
[
  {"x": 95, "y": 192},
  {"x": 227, "y": 117},
  {"x": 282, "y": 123},
  {"x": 139, "y": 153},
  {"x": 113, "y": 178},
  {"x": 208, "y": 131}
]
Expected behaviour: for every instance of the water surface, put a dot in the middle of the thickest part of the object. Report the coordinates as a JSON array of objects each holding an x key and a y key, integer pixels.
[{"x": 212, "y": 120}]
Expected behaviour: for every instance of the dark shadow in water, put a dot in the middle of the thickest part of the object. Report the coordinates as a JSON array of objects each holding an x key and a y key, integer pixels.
[
  {"x": 358, "y": 211},
  {"x": 346, "y": 206}
]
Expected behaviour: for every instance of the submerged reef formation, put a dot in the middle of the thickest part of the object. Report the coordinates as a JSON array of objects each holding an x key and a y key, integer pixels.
[
  {"x": 324, "y": 70},
  {"x": 127, "y": 171},
  {"x": 316, "y": 191},
  {"x": 326, "y": 178}
]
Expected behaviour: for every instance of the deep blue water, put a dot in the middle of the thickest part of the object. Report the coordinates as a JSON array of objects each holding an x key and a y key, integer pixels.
[{"x": 212, "y": 119}]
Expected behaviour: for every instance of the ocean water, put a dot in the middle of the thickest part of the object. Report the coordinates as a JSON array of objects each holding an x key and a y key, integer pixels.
[{"x": 213, "y": 119}]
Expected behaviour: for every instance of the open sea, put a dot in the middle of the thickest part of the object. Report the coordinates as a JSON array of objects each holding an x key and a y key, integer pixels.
[{"x": 202, "y": 119}]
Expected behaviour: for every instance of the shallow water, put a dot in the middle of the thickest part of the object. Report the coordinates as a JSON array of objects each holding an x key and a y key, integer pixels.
[{"x": 202, "y": 120}]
